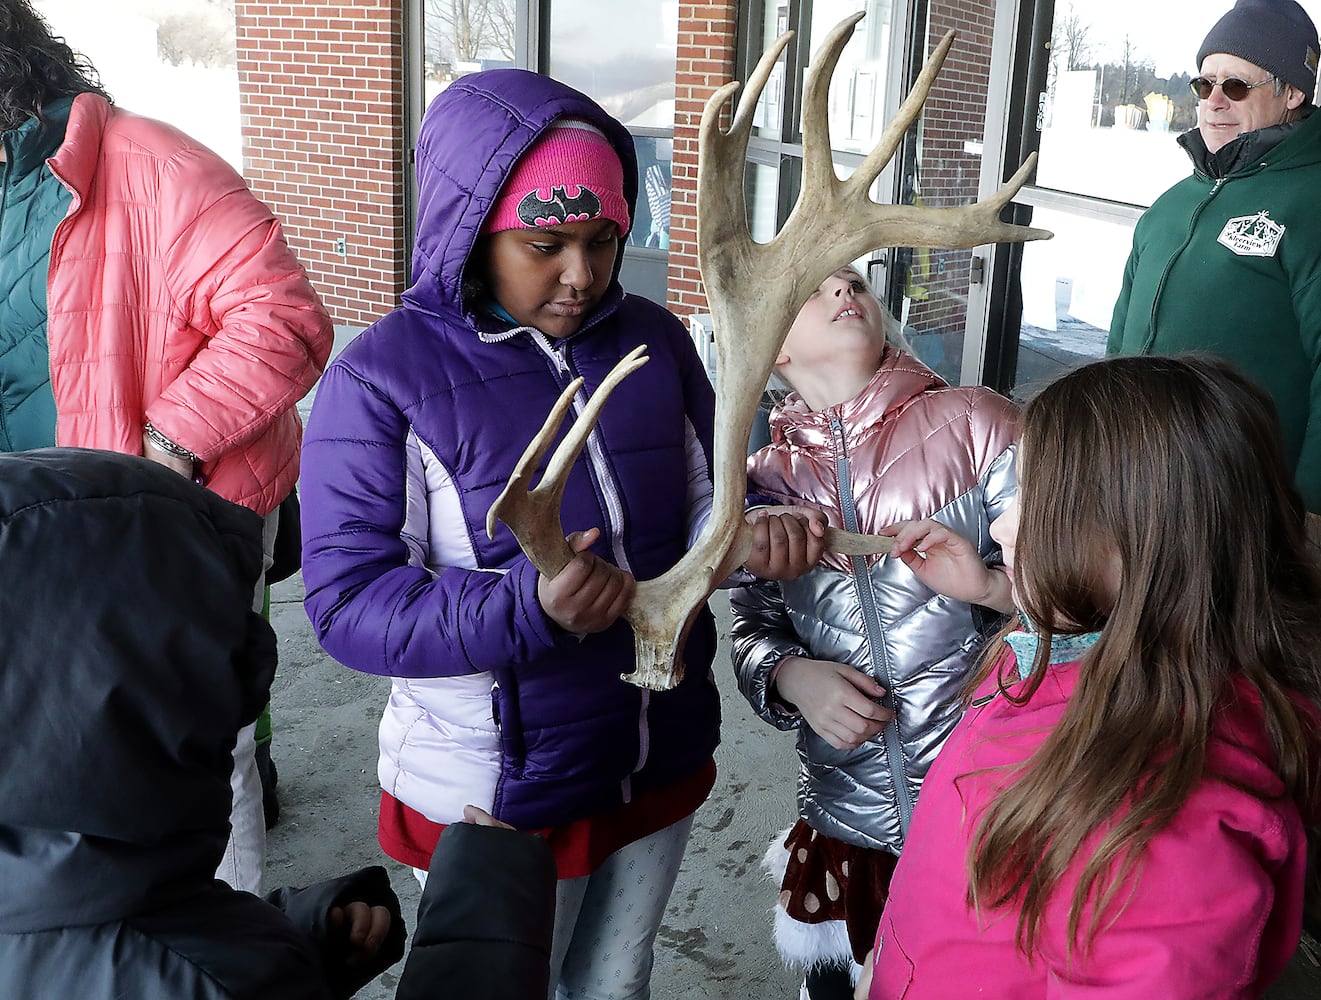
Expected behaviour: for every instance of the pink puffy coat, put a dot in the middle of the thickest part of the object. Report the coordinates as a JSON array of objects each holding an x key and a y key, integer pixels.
[
  {"x": 1213, "y": 911},
  {"x": 174, "y": 299}
]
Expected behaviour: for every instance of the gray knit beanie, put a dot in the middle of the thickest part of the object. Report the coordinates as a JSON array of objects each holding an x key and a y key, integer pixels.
[{"x": 1276, "y": 35}]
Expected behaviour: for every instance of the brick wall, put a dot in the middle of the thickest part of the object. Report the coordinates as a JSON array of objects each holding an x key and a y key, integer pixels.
[
  {"x": 321, "y": 85},
  {"x": 705, "y": 63},
  {"x": 955, "y": 114},
  {"x": 321, "y": 89}
]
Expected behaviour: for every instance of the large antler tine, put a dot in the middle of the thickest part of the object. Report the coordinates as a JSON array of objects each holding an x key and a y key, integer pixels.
[
  {"x": 721, "y": 152},
  {"x": 909, "y": 111},
  {"x": 818, "y": 164},
  {"x": 994, "y": 229},
  {"x": 711, "y": 112},
  {"x": 1010, "y": 188},
  {"x": 533, "y": 514},
  {"x": 741, "y": 127},
  {"x": 571, "y": 447},
  {"x": 715, "y": 150},
  {"x": 1015, "y": 184},
  {"x": 536, "y": 450}
]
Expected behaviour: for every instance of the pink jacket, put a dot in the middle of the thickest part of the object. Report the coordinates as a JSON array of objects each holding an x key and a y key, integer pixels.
[
  {"x": 1215, "y": 909},
  {"x": 174, "y": 299}
]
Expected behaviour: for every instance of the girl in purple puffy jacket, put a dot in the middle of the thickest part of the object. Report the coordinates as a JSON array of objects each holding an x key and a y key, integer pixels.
[{"x": 505, "y": 684}]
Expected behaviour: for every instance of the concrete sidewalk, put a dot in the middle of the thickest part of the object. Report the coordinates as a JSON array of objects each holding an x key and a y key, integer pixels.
[{"x": 716, "y": 940}]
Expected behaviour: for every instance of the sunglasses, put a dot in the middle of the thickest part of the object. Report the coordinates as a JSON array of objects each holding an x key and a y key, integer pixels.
[{"x": 1232, "y": 87}]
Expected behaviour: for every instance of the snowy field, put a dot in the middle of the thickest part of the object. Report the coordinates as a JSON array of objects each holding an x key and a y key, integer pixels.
[{"x": 202, "y": 101}]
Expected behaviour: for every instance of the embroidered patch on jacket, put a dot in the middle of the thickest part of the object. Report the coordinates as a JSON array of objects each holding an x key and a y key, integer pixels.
[{"x": 1252, "y": 235}]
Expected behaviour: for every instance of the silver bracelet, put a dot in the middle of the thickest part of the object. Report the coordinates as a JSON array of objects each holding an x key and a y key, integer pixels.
[{"x": 168, "y": 446}]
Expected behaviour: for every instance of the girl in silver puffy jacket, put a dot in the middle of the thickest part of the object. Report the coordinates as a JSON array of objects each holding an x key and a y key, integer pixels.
[{"x": 858, "y": 656}]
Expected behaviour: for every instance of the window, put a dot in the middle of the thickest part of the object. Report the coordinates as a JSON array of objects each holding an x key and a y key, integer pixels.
[
  {"x": 464, "y": 36},
  {"x": 625, "y": 61},
  {"x": 651, "y": 220}
]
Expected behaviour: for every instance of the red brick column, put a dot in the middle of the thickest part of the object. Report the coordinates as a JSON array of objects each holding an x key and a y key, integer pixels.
[
  {"x": 321, "y": 89},
  {"x": 949, "y": 174},
  {"x": 705, "y": 63}
]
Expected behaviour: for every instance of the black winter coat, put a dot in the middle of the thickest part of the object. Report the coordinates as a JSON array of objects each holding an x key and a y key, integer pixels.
[
  {"x": 129, "y": 658},
  {"x": 485, "y": 920}
]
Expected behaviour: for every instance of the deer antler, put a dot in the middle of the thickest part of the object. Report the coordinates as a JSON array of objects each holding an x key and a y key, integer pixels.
[
  {"x": 533, "y": 515},
  {"x": 754, "y": 291}
]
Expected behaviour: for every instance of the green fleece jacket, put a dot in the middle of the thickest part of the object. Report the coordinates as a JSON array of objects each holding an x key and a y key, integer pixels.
[{"x": 1231, "y": 267}]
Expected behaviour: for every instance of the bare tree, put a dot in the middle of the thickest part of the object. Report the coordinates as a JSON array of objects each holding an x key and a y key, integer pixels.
[
  {"x": 468, "y": 30},
  {"x": 199, "y": 31},
  {"x": 1070, "y": 39},
  {"x": 504, "y": 29},
  {"x": 1130, "y": 63},
  {"x": 1069, "y": 47}
]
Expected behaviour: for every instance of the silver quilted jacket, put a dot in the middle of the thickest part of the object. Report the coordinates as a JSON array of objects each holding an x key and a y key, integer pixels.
[{"x": 907, "y": 446}]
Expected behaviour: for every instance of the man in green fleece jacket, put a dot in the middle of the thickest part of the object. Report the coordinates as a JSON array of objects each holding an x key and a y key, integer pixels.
[{"x": 1228, "y": 261}]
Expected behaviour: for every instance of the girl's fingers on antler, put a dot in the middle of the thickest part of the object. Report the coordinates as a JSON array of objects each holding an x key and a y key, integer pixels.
[{"x": 587, "y": 595}]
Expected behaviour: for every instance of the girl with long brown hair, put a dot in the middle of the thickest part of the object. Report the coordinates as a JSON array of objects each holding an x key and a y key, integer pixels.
[{"x": 1124, "y": 808}]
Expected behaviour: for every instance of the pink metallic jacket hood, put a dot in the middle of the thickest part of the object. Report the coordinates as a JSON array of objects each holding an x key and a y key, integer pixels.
[{"x": 889, "y": 458}]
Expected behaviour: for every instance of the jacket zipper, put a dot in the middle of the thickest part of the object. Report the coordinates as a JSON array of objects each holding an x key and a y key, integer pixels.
[
  {"x": 894, "y": 750},
  {"x": 4, "y": 194},
  {"x": 497, "y": 800},
  {"x": 1169, "y": 265},
  {"x": 75, "y": 206},
  {"x": 600, "y": 472},
  {"x": 595, "y": 454}
]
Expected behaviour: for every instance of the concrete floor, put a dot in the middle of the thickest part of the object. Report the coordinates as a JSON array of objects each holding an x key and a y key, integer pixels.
[{"x": 715, "y": 942}]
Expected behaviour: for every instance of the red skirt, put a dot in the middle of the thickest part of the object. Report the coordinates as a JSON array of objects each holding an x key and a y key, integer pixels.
[{"x": 827, "y": 879}]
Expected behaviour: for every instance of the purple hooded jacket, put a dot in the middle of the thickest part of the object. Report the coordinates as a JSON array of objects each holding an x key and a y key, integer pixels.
[{"x": 415, "y": 430}]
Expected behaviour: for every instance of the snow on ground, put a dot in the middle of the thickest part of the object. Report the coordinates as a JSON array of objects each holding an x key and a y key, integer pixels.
[{"x": 202, "y": 101}]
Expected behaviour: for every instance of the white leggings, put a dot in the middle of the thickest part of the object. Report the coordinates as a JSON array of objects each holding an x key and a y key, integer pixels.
[
  {"x": 245, "y": 854},
  {"x": 606, "y": 922}
]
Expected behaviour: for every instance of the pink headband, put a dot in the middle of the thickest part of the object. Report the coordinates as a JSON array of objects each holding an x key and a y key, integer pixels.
[{"x": 571, "y": 173}]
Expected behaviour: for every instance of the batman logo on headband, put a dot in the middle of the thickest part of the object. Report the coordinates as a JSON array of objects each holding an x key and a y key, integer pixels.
[{"x": 559, "y": 209}]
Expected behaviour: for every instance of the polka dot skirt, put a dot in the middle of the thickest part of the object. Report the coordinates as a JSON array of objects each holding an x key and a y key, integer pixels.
[{"x": 827, "y": 879}]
